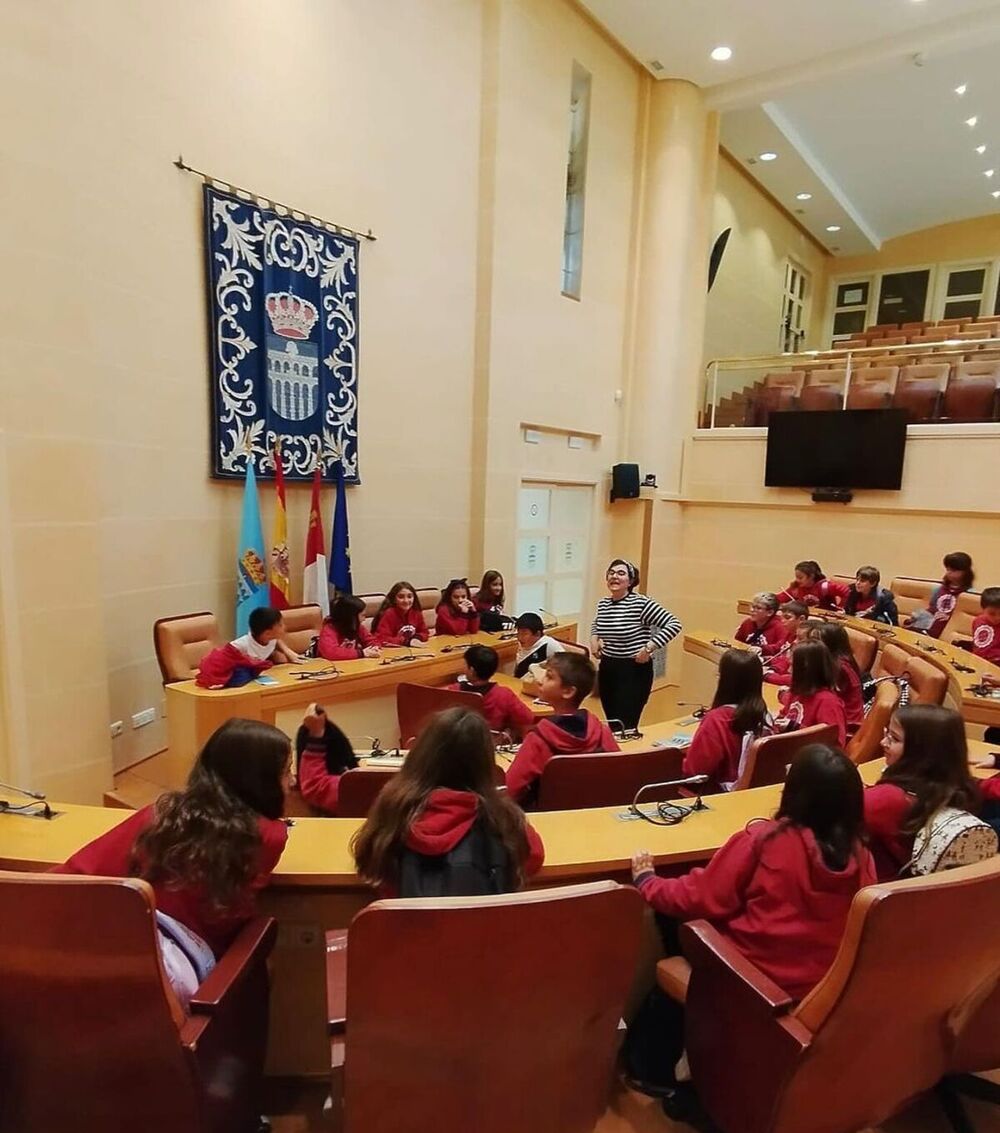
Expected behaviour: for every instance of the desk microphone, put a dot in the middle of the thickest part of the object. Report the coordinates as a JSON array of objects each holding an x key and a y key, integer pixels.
[
  {"x": 667, "y": 813},
  {"x": 21, "y": 791},
  {"x": 457, "y": 645},
  {"x": 542, "y": 610}
]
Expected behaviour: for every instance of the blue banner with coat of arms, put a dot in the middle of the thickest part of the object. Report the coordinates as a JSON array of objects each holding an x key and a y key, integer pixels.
[{"x": 284, "y": 324}]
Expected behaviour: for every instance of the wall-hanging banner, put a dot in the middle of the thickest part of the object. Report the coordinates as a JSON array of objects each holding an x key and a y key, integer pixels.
[{"x": 284, "y": 325}]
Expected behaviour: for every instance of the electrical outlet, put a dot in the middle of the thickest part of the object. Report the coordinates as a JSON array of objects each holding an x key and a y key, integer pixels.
[
  {"x": 116, "y": 729},
  {"x": 146, "y": 716}
]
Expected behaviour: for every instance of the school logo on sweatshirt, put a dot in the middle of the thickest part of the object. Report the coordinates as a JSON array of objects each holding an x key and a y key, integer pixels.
[
  {"x": 984, "y": 636},
  {"x": 945, "y": 604}
]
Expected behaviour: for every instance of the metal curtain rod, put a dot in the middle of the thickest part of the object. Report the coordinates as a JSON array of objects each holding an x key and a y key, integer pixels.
[{"x": 297, "y": 214}]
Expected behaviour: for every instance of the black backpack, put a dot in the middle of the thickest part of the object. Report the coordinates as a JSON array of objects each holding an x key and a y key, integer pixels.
[{"x": 478, "y": 866}]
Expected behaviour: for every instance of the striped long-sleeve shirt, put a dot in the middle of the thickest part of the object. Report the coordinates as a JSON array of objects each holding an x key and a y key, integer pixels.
[{"x": 627, "y": 625}]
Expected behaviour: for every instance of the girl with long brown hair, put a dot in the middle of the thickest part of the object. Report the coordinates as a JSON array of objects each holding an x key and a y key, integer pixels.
[
  {"x": 445, "y": 792},
  {"x": 399, "y": 620},
  {"x": 205, "y": 850}
]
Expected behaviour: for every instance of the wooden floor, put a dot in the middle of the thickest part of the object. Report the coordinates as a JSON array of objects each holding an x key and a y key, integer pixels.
[{"x": 297, "y": 1107}]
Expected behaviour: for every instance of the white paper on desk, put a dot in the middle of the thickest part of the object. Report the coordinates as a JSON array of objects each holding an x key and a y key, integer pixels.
[{"x": 680, "y": 739}]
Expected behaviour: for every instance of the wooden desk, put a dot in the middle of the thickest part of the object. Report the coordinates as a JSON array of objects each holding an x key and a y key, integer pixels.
[
  {"x": 360, "y": 698},
  {"x": 942, "y": 654},
  {"x": 315, "y": 887}
]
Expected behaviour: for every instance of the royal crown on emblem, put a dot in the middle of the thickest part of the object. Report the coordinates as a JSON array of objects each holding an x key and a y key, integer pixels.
[{"x": 290, "y": 316}]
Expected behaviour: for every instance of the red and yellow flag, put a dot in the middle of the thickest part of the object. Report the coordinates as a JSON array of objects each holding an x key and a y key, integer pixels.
[{"x": 280, "y": 575}]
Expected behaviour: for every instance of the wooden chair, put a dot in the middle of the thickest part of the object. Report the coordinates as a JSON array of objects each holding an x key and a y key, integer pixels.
[
  {"x": 444, "y": 1026},
  {"x": 93, "y": 1038},
  {"x": 182, "y": 641},
  {"x": 872, "y": 1035},
  {"x": 768, "y": 758},
  {"x": 866, "y": 743},
  {"x": 302, "y": 624},
  {"x": 912, "y": 593},
  {"x": 358, "y": 790},
  {"x": 415, "y": 704},
  {"x": 864, "y": 647},
  {"x": 574, "y": 782}
]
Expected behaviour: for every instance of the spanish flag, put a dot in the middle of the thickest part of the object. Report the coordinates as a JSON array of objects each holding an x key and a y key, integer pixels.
[
  {"x": 280, "y": 577},
  {"x": 315, "y": 589}
]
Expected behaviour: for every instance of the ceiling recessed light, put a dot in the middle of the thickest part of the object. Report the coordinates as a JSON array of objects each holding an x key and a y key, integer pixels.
[
  {"x": 970, "y": 122},
  {"x": 803, "y": 196},
  {"x": 962, "y": 89},
  {"x": 988, "y": 172},
  {"x": 833, "y": 228},
  {"x": 995, "y": 193},
  {"x": 980, "y": 149},
  {"x": 721, "y": 54},
  {"x": 767, "y": 155}
]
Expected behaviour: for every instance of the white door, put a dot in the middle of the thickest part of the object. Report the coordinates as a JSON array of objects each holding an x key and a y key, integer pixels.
[
  {"x": 553, "y": 548},
  {"x": 793, "y": 309}
]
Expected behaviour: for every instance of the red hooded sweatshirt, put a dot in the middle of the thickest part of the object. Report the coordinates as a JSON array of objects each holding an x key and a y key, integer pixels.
[
  {"x": 986, "y": 639},
  {"x": 389, "y": 630},
  {"x": 504, "y": 710},
  {"x": 770, "y": 638},
  {"x": 942, "y": 606},
  {"x": 316, "y": 785},
  {"x": 823, "y": 707},
  {"x": 450, "y": 623},
  {"x": 824, "y": 592},
  {"x": 715, "y": 749},
  {"x": 849, "y": 691},
  {"x": 108, "y": 856},
  {"x": 576, "y": 733},
  {"x": 769, "y": 890},
  {"x": 217, "y": 667},
  {"x": 333, "y": 647},
  {"x": 445, "y": 819},
  {"x": 886, "y": 808}
]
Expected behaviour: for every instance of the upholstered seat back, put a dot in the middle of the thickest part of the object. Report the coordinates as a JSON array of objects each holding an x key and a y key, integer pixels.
[
  {"x": 449, "y": 1039},
  {"x": 917, "y": 960},
  {"x": 864, "y": 648},
  {"x": 302, "y": 624},
  {"x": 415, "y": 704},
  {"x": 571, "y": 782},
  {"x": 866, "y": 743},
  {"x": 768, "y": 758},
  {"x": 912, "y": 593},
  {"x": 429, "y": 598},
  {"x": 182, "y": 641}
]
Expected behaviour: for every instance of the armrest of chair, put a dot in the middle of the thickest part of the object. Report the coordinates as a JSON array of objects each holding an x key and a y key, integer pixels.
[
  {"x": 741, "y": 1040},
  {"x": 718, "y": 958},
  {"x": 252, "y": 945},
  {"x": 336, "y": 981}
]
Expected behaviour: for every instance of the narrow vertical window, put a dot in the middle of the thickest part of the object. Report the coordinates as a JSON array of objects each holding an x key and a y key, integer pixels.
[{"x": 576, "y": 181}]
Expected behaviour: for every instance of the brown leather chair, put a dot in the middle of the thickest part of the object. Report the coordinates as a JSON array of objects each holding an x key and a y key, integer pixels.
[
  {"x": 779, "y": 393},
  {"x": 881, "y": 329},
  {"x": 864, "y": 647},
  {"x": 575, "y": 782},
  {"x": 872, "y": 1035},
  {"x": 866, "y": 743},
  {"x": 958, "y": 322},
  {"x": 429, "y": 598},
  {"x": 92, "y": 1036},
  {"x": 910, "y": 328},
  {"x": 302, "y": 624},
  {"x": 528, "y": 1044},
  {"x": 826, "y": 397},
  {"x": 975, "y": 334},
  {"x": 358, "y": 790},
  {"x": 768, "y": 758},
  {"x": 912, "y": 593},
  {"x": 920, "y": 390},
  {"x": 182, "y": 641},
  {"x": 415, "y": 704},
  {"x": 872, "y": 388},
  {"x": 927, "y": 337},
  {"x": 928, "y": 683},
  {"x": 971, "y": 393},
  {"x": 891, "y": 661},
  {"x": 959, "y": 624},
  {"x": 892, "y": 340},
  {"x": 372, "y": 603}
]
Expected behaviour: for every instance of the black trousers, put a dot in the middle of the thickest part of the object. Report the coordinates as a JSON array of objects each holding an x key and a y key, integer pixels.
[{"x": 625, "y": 688}]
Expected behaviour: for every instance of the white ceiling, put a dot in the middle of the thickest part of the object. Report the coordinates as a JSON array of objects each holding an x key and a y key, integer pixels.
[{"x": 831, "y": 86}]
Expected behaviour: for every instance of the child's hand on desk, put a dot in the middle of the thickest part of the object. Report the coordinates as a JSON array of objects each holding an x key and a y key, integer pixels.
[
  {"x": 642, "y": 862},
  {"x": 989, "y": 763},
  {"x": 372, "y": 651},
  {"x": 991, "y": 681}
]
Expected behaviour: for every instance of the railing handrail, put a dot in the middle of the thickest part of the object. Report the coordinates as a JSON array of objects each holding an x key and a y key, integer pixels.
[{"x": 944, "y": 348}]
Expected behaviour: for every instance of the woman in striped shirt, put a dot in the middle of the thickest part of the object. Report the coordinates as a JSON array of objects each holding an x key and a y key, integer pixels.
[{"x": 627, "y": 630}]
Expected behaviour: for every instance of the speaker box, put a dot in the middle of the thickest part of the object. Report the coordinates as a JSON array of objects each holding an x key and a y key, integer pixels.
[{"x": 625, "y": 482}]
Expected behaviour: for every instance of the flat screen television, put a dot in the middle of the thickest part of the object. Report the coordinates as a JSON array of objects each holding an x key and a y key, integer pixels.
[{"x": 842, "y": 448}]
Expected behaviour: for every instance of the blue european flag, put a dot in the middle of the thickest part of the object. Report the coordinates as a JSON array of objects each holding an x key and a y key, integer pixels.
[
  {"x": 340, "y": 543},
  {"x": 251, "y": 569}
]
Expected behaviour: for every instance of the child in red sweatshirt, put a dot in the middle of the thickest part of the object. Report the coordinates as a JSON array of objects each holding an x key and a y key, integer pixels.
[
  {"x": 194, "y": 845},
  {"x": 444, "y": 794},
  {"x": 568, "y": 679},
  {"x": 456, "y": 615},
  {"x": 927, "y": 767},
  {"x": 835, "y": 638},
  {"x": 985, "y": 641},
  {"x": 812, "y": 696},
  {"x": 323, "y": 753},
  {"x": 764, "y": 629},
  {"x": 794, "y": 617},
  {"x": 243, "y": 660},
  {"x": 343, "y": 637},
  {"x": 399, "y": 620},
  {"x": 503, "y": 709},
  {"x": 738, "y": 716},
  {"x": 779, "y": 890},
  {"x": 811, "y": 587}
]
